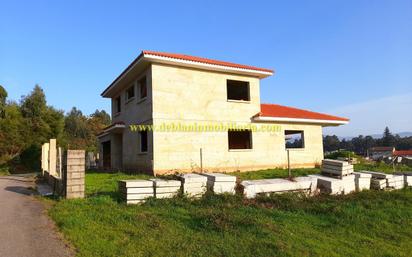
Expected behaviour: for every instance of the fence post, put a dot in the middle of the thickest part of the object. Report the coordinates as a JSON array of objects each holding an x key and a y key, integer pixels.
[
  {"x": 52, "y": 157},
  {"x": 74, "y": 173}
]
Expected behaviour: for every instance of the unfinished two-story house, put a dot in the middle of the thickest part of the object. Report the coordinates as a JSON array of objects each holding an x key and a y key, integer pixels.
[{"x": 163, "y": 89}]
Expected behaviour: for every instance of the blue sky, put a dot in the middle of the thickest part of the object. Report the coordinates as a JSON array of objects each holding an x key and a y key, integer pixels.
[{"x": 349, "y": 58}]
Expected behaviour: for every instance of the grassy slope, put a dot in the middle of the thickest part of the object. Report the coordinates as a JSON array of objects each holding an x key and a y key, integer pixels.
[{"x": 363, "y": 224}]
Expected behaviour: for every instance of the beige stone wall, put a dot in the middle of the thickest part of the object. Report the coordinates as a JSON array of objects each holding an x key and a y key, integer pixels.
[
  {"x": 188, "y": 96},
  {"x": 180, "y": 151},
  {"x": 126, "y": 155}
]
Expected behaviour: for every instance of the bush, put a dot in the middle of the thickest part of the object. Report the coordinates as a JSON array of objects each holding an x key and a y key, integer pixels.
[
  {"x": 30, "y": 158},
  {"x": 342, "y": 153}
]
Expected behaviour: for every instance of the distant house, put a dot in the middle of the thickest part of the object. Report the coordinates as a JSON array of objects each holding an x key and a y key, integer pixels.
[
  {"x": 403, "y": 153},
  {"x": 159, "y": 89},
  {"x": 380, "y": 152}
]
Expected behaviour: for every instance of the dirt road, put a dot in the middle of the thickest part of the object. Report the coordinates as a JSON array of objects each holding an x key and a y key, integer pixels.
[{"x": 25, "y": 228}]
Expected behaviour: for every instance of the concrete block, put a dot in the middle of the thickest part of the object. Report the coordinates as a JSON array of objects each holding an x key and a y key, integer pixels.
[
  {"x": 161, "y": 190},
  {"x": 335, "y": 163},
  {"x": 219, "y": 177},
  {"x": 253, "y": 187},
  {"x": 135, "y": 183},
  {"x": 378, "y": 175},
  {"x": 378, "y": 183},
  {"x": 166, "y": 183},
  {"x": 194, "y": 184},
  {"x": 136, "y": 190},
  {"x": 362, "y": 183},
  {"x": 192, "y": 178},
  {"x": 136, "y": 196},
  {"x": 362, "y": 175},
  {"x": 165, "y": 195},
  {"x": 75, "y": 195},
  {"x": 330, "y": 185}
]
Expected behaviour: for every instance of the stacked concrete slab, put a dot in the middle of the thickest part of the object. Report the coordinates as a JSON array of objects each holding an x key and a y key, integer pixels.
[
  {"x": 166, "y": 188},
  {"x": 253, "y": 187},
  {"x": 395, "y": 182},
  {"x": 362, "y": 181},
  {"x": 336, "y": 177},
  {"x": 382, "y": 180},
  {"x": 336, "y": 168},
  {"x": 335, "y": 186},
  {"x": 136, "y": 191},
  {"x": 220, "y": 183},
  {"x": 193, "y": 185},
  {"x": 407, "y": 177}
]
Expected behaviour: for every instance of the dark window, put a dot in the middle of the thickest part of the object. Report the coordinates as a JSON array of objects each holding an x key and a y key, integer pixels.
[
  {"x": 238, "y": 90},
  {"x": 130, "y": 93},
  {"x": 294, "y": 139},
  {"x": 240, "y": 139},
  {"x": 118, "y": 103},
  {"x": 143, "y": 141},
  {"x": 143, "y": 87}
]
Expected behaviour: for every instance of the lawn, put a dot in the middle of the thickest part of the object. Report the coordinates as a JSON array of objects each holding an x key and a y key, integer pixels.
[{"x": 361, "y": 224}]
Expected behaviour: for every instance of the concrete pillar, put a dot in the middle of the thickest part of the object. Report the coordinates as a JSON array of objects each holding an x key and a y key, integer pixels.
[
  {"x": 44, "y": 157},
  {"x": 74, "y": 168},
  {"x": 52, "y": 157}
]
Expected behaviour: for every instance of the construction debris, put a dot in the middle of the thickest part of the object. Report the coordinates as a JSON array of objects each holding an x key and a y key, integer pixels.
[
  {"x": 135, "y": 191},
  {"x": 194, "y": 185},
  {"x": 166, "y": 188},
  {"x": 362, "y": 181},
  {"x": 336, "y": 168},
  {"x": 253, "y": 187},
  {"x": 220, "y": 183}
]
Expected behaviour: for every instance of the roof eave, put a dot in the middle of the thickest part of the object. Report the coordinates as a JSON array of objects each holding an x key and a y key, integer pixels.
[
  {"x": 168, "y": 60},
  {"x": 301, "y": 120}
]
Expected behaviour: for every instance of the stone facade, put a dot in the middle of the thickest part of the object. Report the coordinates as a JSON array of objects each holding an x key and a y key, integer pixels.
[{"x": 183, "y": 95}]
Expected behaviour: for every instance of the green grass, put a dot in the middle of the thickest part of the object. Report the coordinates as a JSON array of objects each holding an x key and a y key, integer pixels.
[
  {"x": 4, "y": 170},
  {"x": 273, "y": 173},
  {"x": 363, "y": 224},
  {"x": 382, "y": 167},
  {"x": 98, "y": 184}
]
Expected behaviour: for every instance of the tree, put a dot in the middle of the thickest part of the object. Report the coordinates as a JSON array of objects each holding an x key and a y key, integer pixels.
[
  {"x": 3, "y": 98},
  {"x": 331, "y": 143},
  {"x": 76, "y": 129},
  {"x": 12, "y": 133},
  {"x": 388, "y": 139}
]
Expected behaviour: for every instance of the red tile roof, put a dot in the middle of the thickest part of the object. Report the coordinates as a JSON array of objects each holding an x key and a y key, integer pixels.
[
  {"x": 403, "y": 153},
  {"x": 204, "y": 60},
  {"x": 185, "y": 58},
  {"x": 280, "y": 111}
]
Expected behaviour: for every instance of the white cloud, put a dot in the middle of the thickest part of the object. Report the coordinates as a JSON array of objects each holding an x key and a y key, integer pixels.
[{"x": 371, "y": 117}]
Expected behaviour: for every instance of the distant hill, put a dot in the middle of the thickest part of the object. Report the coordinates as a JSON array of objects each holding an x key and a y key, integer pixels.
[{"x": 376, "y": 136}]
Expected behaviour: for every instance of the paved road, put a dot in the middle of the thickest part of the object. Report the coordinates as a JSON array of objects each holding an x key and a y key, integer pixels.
[{"x": 25, "y": 229}]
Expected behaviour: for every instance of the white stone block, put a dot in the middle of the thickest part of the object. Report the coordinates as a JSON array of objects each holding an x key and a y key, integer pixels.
[
  {"x": 219, "y": 177},
  {"x": 378, "y": 175},
  {"x": 136, "y": 183},
  {"x": 136, "y": 190},
  {"x": 362, "y": 183},
  {"x": 161, "y": 190},
  {"x": 166, "y": 183},
  {"x": 166, "y": 195},
  {"x": 362, "y": 175},
  {"x": 253, "y": 187},
  {"x": 137, "y": 196},
  {"x": 330, "y": 185},
  {"x": 194, "y": 184},
  {"x": 192, "y": 178},
  {"x": 378, "y": 184},
  {"x": 335, "y": 162}
]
